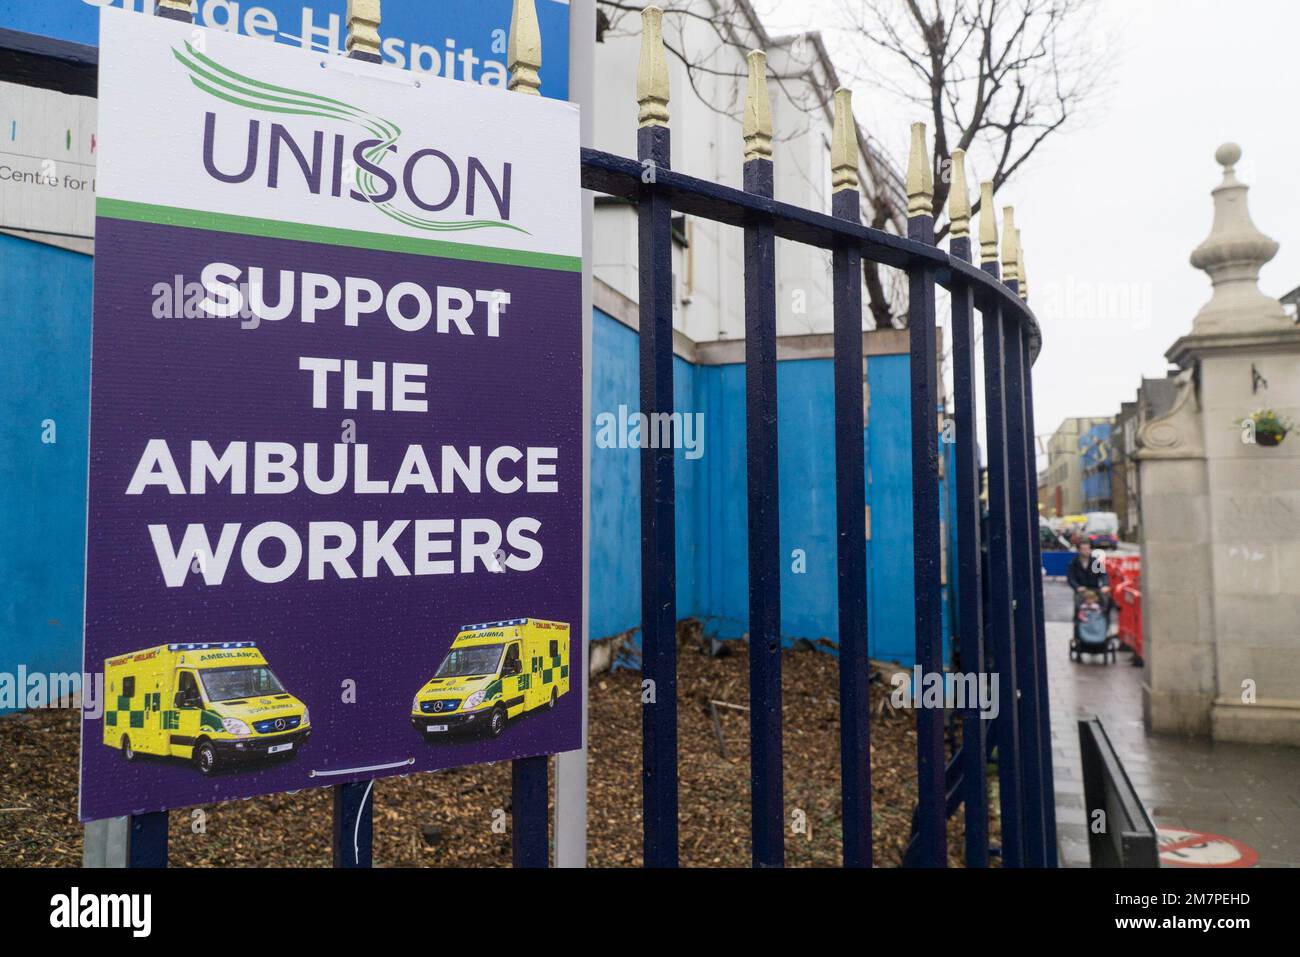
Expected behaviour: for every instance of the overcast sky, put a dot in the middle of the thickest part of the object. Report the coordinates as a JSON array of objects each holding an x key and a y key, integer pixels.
[{"x": 1110, "y": 210}]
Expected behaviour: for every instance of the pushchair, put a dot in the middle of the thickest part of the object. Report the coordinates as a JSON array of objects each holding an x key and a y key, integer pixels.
[{"x": 1091, "y": 632}]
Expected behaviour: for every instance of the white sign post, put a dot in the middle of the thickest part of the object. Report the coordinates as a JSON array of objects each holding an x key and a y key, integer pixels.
[{"x": 571, "y": 767}]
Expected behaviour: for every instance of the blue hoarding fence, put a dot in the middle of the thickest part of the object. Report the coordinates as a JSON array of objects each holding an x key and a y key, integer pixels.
[{"x": 458, "y": 39}]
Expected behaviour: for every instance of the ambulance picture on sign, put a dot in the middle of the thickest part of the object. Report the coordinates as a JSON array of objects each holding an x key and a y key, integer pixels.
[
  {"x": 494, "y": 671},
  {"x": 216, "y": 704}
]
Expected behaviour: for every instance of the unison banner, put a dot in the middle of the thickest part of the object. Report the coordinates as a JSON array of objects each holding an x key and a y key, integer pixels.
[{"x": 335, "y": 517}]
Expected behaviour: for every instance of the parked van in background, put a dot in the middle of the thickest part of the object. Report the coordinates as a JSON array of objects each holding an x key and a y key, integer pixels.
[{"x": 1102, "y": 529}]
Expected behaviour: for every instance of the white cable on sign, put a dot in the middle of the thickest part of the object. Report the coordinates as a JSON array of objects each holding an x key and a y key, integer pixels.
[
  {"x": 356, "y": 831},
  {"x": 373, "y": 767}
]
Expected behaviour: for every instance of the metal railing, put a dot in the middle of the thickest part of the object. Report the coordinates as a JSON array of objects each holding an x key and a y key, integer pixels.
[
  {"x": 1127, "y": 838},
  {"x": 1007, "y": 636}
]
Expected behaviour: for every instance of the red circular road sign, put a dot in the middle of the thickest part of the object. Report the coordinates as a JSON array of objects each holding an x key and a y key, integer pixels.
[{"x": 1179, "y": 848}]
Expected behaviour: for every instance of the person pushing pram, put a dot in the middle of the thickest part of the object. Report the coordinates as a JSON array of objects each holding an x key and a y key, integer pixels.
[
  {"x": 1091, "y": 587},
  {"x": 1088, "y": 573}
]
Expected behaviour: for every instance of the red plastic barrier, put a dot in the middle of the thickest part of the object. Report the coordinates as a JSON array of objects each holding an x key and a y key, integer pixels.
[{"x": 1125, "y": 573}]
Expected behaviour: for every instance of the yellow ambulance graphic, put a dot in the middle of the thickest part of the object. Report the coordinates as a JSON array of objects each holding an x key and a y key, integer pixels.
[
  {"x": 214, "y": 703},
  {"x": 494, "y": 671}
]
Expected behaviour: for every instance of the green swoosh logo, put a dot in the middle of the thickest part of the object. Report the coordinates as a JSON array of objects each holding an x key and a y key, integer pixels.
[{"x": 228, "y": 85}]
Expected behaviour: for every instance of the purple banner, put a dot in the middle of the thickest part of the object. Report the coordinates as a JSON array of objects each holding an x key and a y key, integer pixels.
[{"x": 448, "y": 392}]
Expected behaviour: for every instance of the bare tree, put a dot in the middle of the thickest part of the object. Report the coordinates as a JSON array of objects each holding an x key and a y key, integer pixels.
[{"x": 995, "y": 78}]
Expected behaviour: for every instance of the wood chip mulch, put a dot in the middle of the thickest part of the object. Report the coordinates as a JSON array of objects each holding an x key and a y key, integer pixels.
[{"x": 461, "y": 817}]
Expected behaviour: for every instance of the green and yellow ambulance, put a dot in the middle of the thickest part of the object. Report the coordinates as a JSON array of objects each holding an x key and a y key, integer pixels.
[
  {"x": 213, "y": 703},
  {"x": 494, "y": 671}
]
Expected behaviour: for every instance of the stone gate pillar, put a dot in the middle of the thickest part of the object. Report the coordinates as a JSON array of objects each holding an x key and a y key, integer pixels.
[
  {"x": 1177, "y": 582},
  {"x": 1221, "y": 510}
]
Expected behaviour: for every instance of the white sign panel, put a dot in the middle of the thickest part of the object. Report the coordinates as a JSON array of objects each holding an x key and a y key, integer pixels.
[
  {"x": 47, "y": 161},
  {"x": 324, "y": 150}
]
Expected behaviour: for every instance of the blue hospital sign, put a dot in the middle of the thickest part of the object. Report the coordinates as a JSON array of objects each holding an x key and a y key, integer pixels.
[{"x": 457, "y": 39}]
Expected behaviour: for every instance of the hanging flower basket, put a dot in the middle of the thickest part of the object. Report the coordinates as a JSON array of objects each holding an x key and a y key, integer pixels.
[{"x": 1269, "y": 428}]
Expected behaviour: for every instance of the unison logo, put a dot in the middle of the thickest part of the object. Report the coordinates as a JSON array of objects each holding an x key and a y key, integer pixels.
[{"x": 356, "y": 168}]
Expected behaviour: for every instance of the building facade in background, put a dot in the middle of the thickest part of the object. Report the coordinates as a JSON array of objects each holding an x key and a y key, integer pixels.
[
  {"x": 706, "y": 103},
  {"x": 1124, "y": 473},
  {"x": 1061, "y": 484},
  {"x": 1154, "y": 398},
  {"x": 1097, "y": 462}
]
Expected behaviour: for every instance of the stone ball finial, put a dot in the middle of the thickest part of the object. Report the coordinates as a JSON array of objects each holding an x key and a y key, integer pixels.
[
  {"x": 1232, "y": 255},
  {"x": 1228, "y": 154}
]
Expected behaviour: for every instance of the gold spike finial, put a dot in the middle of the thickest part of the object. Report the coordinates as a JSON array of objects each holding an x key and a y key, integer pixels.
[
  {"x": 988, "y": 224},
  {"x": 758, "y": 110},
  {"x": 958, "y": 198},
  {"x": 1020, "y": 269},
  {"x": 172, "y": 9},
  {"x": 1010, "y": 240},
  {"x": 363, "y": 29},
  {"x": 920, "y": 180},
  {"x": 652, "y": 71},
  {"x": 524, "y": 49},
  {"x": 844, "y": 143}
]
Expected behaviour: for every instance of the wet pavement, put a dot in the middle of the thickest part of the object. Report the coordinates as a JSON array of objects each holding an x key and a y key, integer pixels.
[{"x": 1249, "y": 793}]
